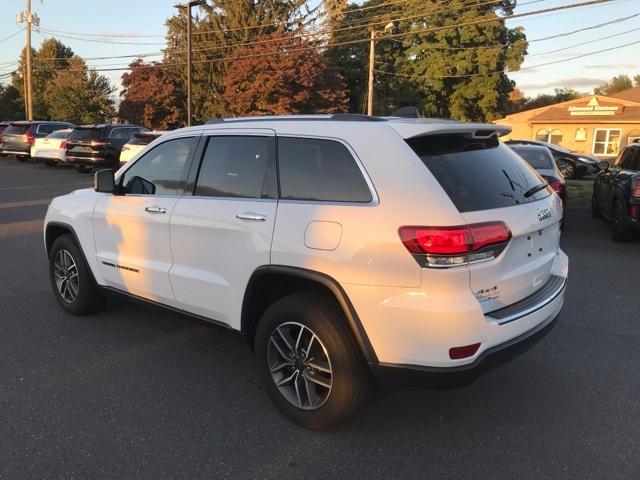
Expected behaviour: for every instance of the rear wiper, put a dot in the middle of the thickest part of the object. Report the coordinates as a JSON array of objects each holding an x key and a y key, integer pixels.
[{"x": 536, "y": 189}]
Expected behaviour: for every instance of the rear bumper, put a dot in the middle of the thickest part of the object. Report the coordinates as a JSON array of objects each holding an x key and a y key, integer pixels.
[
  {"x": 416, "y": 328},
  {"x": 88, "y": 161},
  {"x": 17, "y": 150}
]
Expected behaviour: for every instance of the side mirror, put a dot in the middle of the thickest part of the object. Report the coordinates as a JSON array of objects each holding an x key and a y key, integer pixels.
[
  {"x": 603, "y": 165},
  {"x": 104, "y": 182}
]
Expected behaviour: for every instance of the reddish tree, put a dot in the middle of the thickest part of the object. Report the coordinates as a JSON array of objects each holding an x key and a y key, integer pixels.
[
  {"x": 282, "y": 80},
  {"x": 150, "y": 97}
]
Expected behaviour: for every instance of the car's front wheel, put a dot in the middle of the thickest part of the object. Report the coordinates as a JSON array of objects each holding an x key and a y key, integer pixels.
[
  {"x": 308, "y": 361},
  {"x": 71, "y": 279}
]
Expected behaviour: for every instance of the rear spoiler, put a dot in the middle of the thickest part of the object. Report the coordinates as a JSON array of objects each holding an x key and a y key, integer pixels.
[{"x": 412, "y": 129}]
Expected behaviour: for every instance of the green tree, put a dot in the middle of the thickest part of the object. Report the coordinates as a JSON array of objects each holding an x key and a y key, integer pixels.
[
  {"x": 559, "y": 95},
  {"x": 150, "y": 97},
  {"x": 286, "y": 80},
  {"x": 461, "y": 70},
  {"x": 636, "y": 80},
  {"x": 79, "y": 95},
  {"x": 219, "y": 28},
  {"x": 51, "y": 57},
  {"x": 11, "y": 106},
  {"x": 616, "y": 85}
]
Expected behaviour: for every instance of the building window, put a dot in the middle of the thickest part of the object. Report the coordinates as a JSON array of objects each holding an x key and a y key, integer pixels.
[
  {"x": 606, "y": 142},
  {"x": 551, "y": 136}
]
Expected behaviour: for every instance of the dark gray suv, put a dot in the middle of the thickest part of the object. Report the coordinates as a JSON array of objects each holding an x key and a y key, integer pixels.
[{"x": 19, "y": 137}]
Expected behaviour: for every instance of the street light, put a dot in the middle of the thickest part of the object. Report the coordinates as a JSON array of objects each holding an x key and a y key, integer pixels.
[{"x": 188, "y": 5}]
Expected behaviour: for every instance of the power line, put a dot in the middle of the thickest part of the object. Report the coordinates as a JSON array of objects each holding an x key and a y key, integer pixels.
[
  {"x": 12, "y": 35},
  {"x": 592, "y": 27},
  {"x": 548, "y": 52},
  {"x": 397, "y": 35},
  {"x": 469, "y": 75}
]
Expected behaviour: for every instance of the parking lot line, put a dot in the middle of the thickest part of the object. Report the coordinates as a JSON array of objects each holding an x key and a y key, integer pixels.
[
  {"x": 33, "y": 187},
  {"x": 20, "y": 228},
  {"x": 26, "y": 203}
]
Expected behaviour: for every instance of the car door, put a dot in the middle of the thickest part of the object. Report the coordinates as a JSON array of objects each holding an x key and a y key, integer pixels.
[
  {"x": 611, "y": 178},
  {"x": 222, "y": 233},
  {"x": 131, "y": 229}
]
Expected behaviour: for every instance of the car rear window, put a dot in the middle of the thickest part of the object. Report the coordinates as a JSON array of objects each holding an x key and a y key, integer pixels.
[
  {"x": 538, "y": 158},
  {"x": 59, "y": 134},
  {"x": 85, "y": 134},
  {"x": 477, "y": 174},
  {"x": 16, "y": 129},
  {"x": 142, "y": 139}
]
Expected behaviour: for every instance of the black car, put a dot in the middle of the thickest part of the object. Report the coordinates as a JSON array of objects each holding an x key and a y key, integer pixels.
[
  {"x": 18, "y": 137},
  {"x": 616, "y": 194},
  {"x": 542, "y": 160},
  {"x": 571, "y": 164},
  {"x": 91, "y": 146}
]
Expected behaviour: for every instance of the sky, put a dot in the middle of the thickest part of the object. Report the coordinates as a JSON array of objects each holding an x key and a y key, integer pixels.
[{"x": 147, "y": 17}]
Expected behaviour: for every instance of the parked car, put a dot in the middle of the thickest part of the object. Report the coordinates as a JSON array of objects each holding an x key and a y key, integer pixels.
[
  {"x": 541, "y": 159},
  {"x": 3, "y": 127},
  {"x": 571, "y": 164},
  {"x": 616, "y": 193},
  {"x": 137, "y": 143},
  {"x": 92, "y": 146},
  {"x": 339, "y": 246},
  {"x": 51, "y": 149},
  {"x": 19, "y": 137}
]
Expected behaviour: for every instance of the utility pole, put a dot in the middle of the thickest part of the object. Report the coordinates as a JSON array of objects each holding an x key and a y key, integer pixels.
[
  {"x": 30, "y": 19},
  {"x": 188, "y": 5},
  {"x": 389, "y": 27},
  {"x": 372, "y": 58}
]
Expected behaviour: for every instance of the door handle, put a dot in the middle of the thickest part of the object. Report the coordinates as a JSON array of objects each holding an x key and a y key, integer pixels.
[
  {"x": 155, "y": 210},
  {"x": 255, "y": 217}
]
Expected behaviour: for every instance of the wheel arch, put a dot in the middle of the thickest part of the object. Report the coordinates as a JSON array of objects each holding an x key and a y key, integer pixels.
[
  {"x": 54, "y": 230},
  {"x": 269, "y": 283}
]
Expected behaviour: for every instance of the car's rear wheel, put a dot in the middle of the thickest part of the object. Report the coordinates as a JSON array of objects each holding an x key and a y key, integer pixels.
[
  {"x": 50, "y": 163},
  {"x": 71, "y": 279},
  {"x": 21, "y": 158},
  {"x": 619, "y": 230},
  {"x": 309, "y": 362},
  {"x": 83, "y": 169}
]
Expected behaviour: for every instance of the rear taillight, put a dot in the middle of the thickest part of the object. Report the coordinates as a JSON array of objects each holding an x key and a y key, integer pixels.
[
  {"x": 63, "y": 144},
  {"x": 99, "y": 143},
  {"x": 635, "y": 187},
  {"x": 451, "y": 246},
  {"x": 30, "y": 138},
  {"x": 557, "y": 186}
]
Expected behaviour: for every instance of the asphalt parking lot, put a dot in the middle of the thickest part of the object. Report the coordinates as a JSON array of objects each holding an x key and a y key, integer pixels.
[{"x": 134, "y": 392}]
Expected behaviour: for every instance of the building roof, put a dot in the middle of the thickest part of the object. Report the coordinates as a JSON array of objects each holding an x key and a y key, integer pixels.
[{"x": 631, "y": 94}]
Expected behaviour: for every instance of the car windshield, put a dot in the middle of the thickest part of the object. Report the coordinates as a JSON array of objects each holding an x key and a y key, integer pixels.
[
  {"x": 17, "y": 129},
  {"x": 478, "y": 174},
  {"x": 85, "y": 134},
  {"x": 539, "y": 158}
]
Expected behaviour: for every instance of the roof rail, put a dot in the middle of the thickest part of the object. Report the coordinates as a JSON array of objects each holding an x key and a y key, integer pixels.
[{"x": 342, "y": 117}]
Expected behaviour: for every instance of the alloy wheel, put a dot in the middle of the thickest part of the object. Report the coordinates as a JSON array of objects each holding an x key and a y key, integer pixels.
[
  {"x": 66, "y": 275},
  {"x": 300, "y": 365}
]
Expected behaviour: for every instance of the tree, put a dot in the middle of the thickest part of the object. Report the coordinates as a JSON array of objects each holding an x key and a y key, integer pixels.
[
  {"x": 11, "y": 106},
  {"x": 221, "y": 28},
  {"x": 615, "y": 85},
  {"x": 636, "y": 80},
  {"x": 150, "y": 97},
  {"x": 559, "y": 95},
  {"x": 286, "y": 80},
  {"x": 51, "y": 57},
  {"x": 79, "y": 95}
]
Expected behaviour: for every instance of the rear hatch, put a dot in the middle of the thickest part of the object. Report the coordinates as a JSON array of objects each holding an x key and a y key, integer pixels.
[
  {"x": 15, "y": 137},
  {"x": 86, "y": 142},
  {"x": 488, "y": 182}
]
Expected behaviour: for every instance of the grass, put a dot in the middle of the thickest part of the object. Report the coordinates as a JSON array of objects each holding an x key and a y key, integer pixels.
[{"x": 579, "y": 193}]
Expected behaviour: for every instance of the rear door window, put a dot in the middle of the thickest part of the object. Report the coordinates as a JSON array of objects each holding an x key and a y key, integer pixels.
[
  {"x": 536, "y": 157},
  {"x": 319, "y": 170},
  {"x": 236, "y": 166},
  {"x": 122, "y": 133},
  {"x": 478, "y": 174},
  {"x": 16, "y": 129}
]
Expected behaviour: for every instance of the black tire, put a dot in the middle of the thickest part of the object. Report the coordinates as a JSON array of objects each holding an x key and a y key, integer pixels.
[
  {"x": 21, "y": 158},
  {"x": 595, "y": 211},
  {"x": 350, "y": 377},
  {"x": 88, "y": 298},
  {"x": 50, "y": 163},
  {"x": 619, "y": 230}
]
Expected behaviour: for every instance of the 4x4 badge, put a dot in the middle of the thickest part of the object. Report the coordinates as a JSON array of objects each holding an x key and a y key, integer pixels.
[{"x": 544, "y": 214}]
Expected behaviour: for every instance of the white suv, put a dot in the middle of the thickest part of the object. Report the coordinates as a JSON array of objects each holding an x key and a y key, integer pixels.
[{"x": 337, "y": 245}]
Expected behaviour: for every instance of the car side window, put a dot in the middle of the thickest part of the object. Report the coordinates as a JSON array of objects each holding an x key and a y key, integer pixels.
[
  {"x": 624, "y": 162},
  {"x": 161, "y": 171},
  {"x": 122, "y": 133},
  {"x": 320, "y": 170},
  {"x": 235, "y": 166},
  {"x": 634, "y": 163},
  {"x": 44, "y": 128}
]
